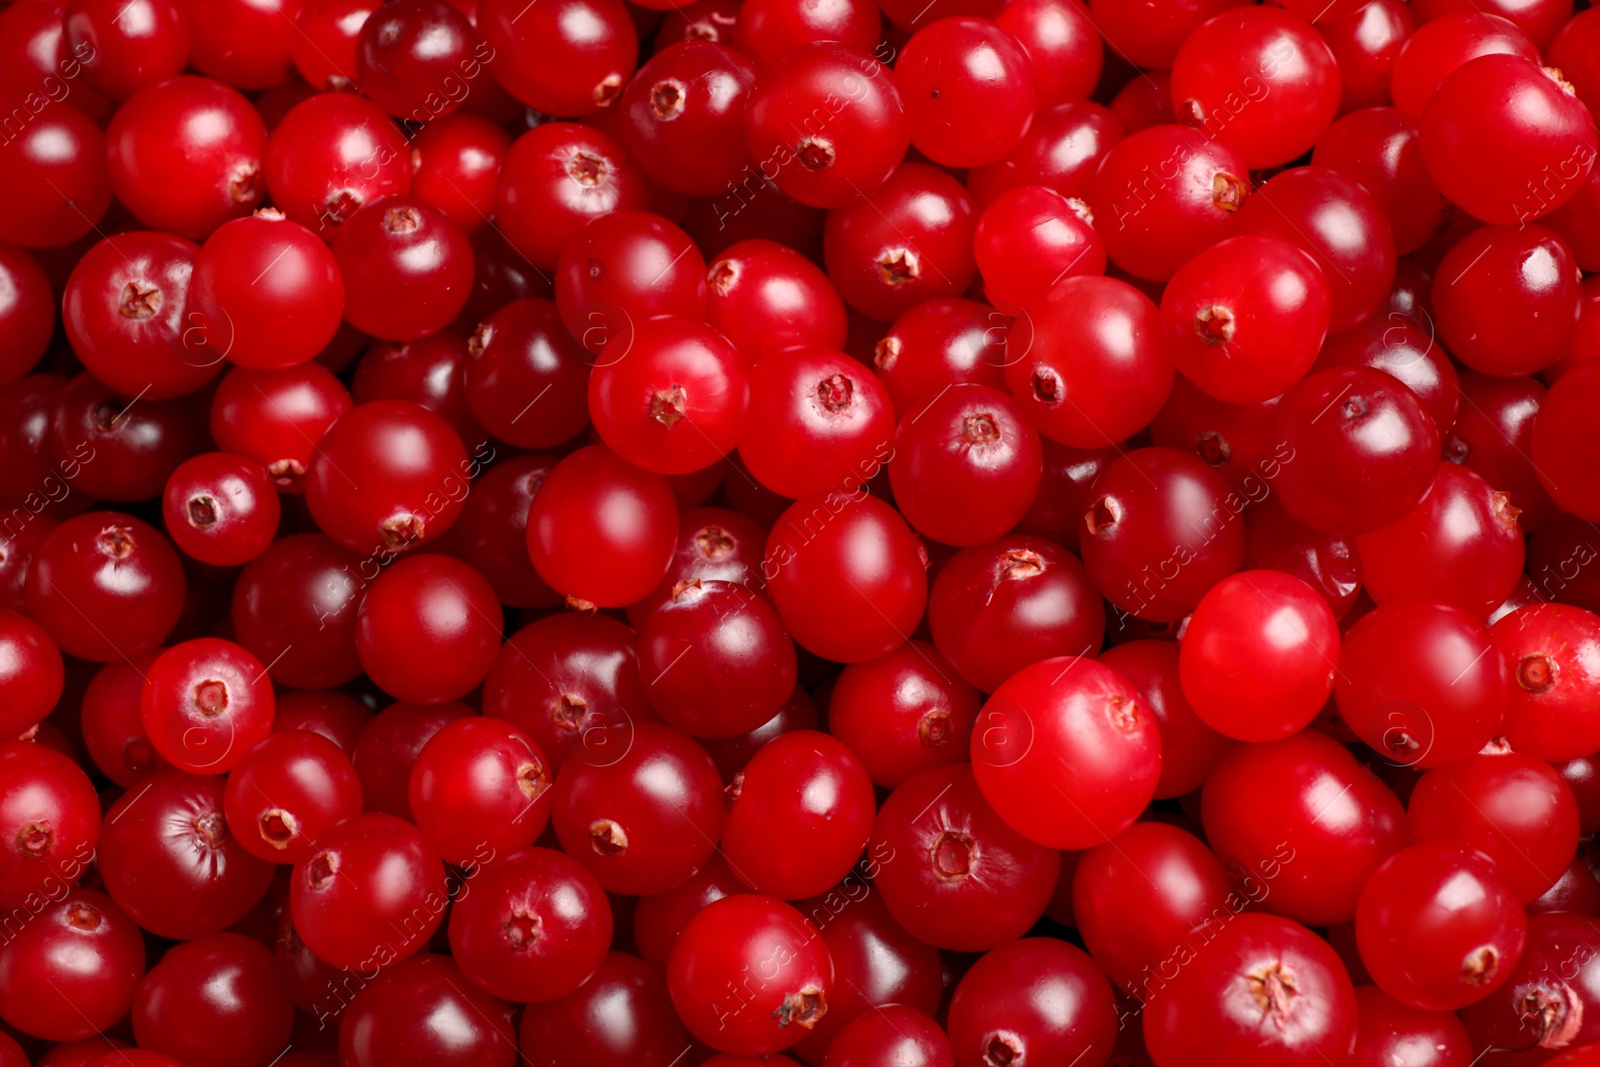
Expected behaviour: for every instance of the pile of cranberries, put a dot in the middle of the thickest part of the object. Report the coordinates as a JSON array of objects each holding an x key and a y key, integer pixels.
[{"x": 844, "y": 533}]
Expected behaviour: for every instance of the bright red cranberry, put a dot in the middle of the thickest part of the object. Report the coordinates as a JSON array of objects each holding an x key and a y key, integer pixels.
[
  {"x": 170, "y": 862},
  {"x": 621, "y": 1016},
  {"x": 288, "y": 792},
  {"x": 1364, "y": 40},
  {"x": 1403, "y": 350},
  {"x": 406, "y": 268},
  {"x": 1543, "y": 1005},
  {"x": 127, "y": 47},
  {"x": 969, "y": 88},
  {"x": 205, "y": 704},
  {"x": 429, "y": 371},
  {"x": 1390, "y": 1032},
  {"x": 1091, "y": 370},
  {"x": 836, "y": 155},
  {"x": 564, "y": 59},
  {"x": 768, "y": 30},
  {"x": 1036, "y": 1000},
  {"x": 939, "y": 343},
  {"x": 1329, "y": 563},
  {"x": 1235, "y": 440},
  {"x": 623, "y": 268},
  {"x": 105, "y": 586},
  {"x": 1422, "y": 684},
  {"x": 1062, "y": 43},
  {"x": 242, "y": 42},
  {"x": 215, "y": 1001},
  {"x": 534, "y": 926},
  {"x": 221, "y": 509},
  {"x": 766, "y": 297},
  {"x": 1380, "y": 147},
  {"x": 118, "y": 448},
  {"x": 790, "y": 975},
  {"x": 1031, "y": 237},
  {"x": 55, "y": 175},
  {"x": 1061, "y": 151},
  {"x": 27, "y": 318},
  {"x": 1263, "y": 991},
  {"x": 389, "y": 747},
  {"x": 371, "y": 895},
  {"x": 113, "y": 729},
  {"x": 1189, "y": 748},
  {"x": 894, "y": 1033},
  {"x": 1149, "y": 36},
  {"x": 1057, "y": 511},
  {"x": 1066, "y": 753},
  {"x": 332, "y": 154},
  {"x": 1442, "y": 45},
  {"x": 479, "y": 787},
  {"x": 682, "y": 117},
  {"x": 847, "y": 575},
  {"x": 817, "y": 421},
  {"x": 903, "y": 713},
  {"x": 389, "y": 476},
  {"x": 31, "y": 673},
  {"x": 556, "y": 177},
  {"x": 458, "y": 163},
  {"x": 492, "y": 532},
  {"x": 49, "y": 823},
  {"x": 277, "y": 417},
  {"x": 1163, "y": 194},
  {"x": 1506, "y": 299},
  {"x": 1553, "y": 654},
  {"x": 426, "y": 1007},
  {"x": 428, "y": 629},
  {"x": 1562, "y": 451},
  {"x": 1539, "y": 19},
  {"x": 324, "y": 51},
  {"x": 72, "y": 969}
]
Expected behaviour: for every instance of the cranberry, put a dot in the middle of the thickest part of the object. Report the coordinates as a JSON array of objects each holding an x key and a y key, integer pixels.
[
  {"x": 127, "y": 48},
  {"x": 221, "y": 509},
  {"x": 324, "y": 51},
  {"x": 522, "y": 350},
  {"x": 332, "y": 154},
  {"x": 205, "y": 704},
  {"x": 26, "y": 317},
  {"x": 1442, "y": 45},
  {"x": 458, "y": 161},
  {"x": 406, "y": 268},
  {"x": 214, "y": 1001},
  {"x": 277, "y": 417},
  {"x": 429, "y": 371},
  {"x": 287, "y": 792},
  {"x": 765, "y": 297},
  {"x": 682, "y": 117},
  {"x": 969, "y": 89},
  {"x": 939, "y": 343},
  {"x": 72, "y": 970},
  {"x": 49, "y": 823},
  {"x": 294, "y": 608},
  {"x": 125, "y": 445},
  {"x": 556, "y": 177},
  {"x": 1380, "y": 147},
  {"x": 1561, "y": 451},
  {"x": 569, "y": 58},
  {"x": 388, "y": 749},
  {"x": 621, "y": 269},
  {"x": 479, "y": 785},
  {"x": 619, "y": 1017},
  {"x": 417, "y": 59},
  {"x": 1552, "y": 650},
  {"x": 428, "y": 1008},
  {"x": 31, "y": 673},
  {"x": 55, "y": 175},
  {"x": 1031, "y": 237},
  {"x": 1037, "y": 1000},
  {"x": 428, "y": 629},
  {"x": 1365, "y": 41},
  {"x": 125, "y": 309},
  {"x": 894, "y": 1033},
  {"x": 1541, "y": 1007},
  {"x": 1061, "y": 150},
  {"x": 113, "y": 729},
  {"x": 1329, "y": 563},
  {"x": 1150, "y": 36},
  {"x": 1389, "y": 1032},
  {"x": 903, "y": 713}
]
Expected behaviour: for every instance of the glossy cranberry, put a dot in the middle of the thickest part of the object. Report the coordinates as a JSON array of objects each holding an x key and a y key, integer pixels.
[
  {"x": 332, "y": 154},
  {"x": 767, "y": 937},
  {"x": 242, "y": 42},
  {"x": 1422, "y": 684},
  {"x": 1561, "y": 452},
  {"x": 185, "y": 155},
  {"x": 26, "y": 316},
  {"x": 1061, "y": 151},
  {"x": 479, "y": 787},
  {"x": 1087, "y": 364},
  {"x": 533, "y": 928},
  {"x": 458, "y": 161},
  {"x": 1403, "y": 350},
  {"x": 765, "y": 297},
  {"x": 568, "y": 59},
  {"x": 220, "y": 508},
  {"x": 1541, "y": 1007},
  {"x": 428, "y": 629},
  {"x": 1189, "y": 748},
  {"x": 713, "y": 544},
  {"x": 426, "y": 1008},
  {"x": 277, "y": 417},
  {"x": 388, "y": 749},
  {"x": 622, "y": 269},
  {"x": 389, "y": 476},
  {"x": 1063, "y": 44},
  {"x": 323, "y": 712},
  {"x": 428, "y": 371},
  {"x": 571, "y": 682},
  {"x": 1391, "y": 1033},
  {"x": 1153, "y": 223},
  {"x": 1037, "y": 1000},
  {"x": 681, "y": 117},
  {"x": 125, "y": 49},
  {"x": 523, "y": 351},
  {"x": 34, "y": 478},
  {"x": 1367, "y": 465},
  {"x": 49, "y": 820},
  {"x": 1076, "y": 716},
  {"x": 1553, "y": 653},
  {"x": 558, "y": 176},
  {"x": 170, "y": 862},
  {"x": 31, "y": 673},
  {"x": 113, "y": 730},
  {"x": 1442, "y": 45},
  {"x": 492, "y": 533},
  {"x": 847, "y": 575},
  {"x": 648, "y": 821},
  {"x": 294, "y": 608},
  {"x": 105, "y": 586},
  {"x": 903, "y": 713},
  {"x": 1506, "y": 299},
  {"x": 1539, "y": 20},
  {"x": 205, "y": 704},
  {"x": 661, "y": 917},
  {"x": 324, "y": 51},
  {"x": 1380, "y": 147},
  {"x": 1031, "y": 237},
  {"x": 1329, "y": 563},
  {"x": 894, "y": 1033},
  {"x": 214, "y": 1001},
  {"x": 620, "y": 1017},
  {"x": 1365, "y": 40},
  {"x": 1160, "y": 529},
  {"x": 70, "y": 971},
  {"x": 418, "y": 59},
  {"x": 969, "y": 89},
  {"x": 842, "y": 154},
  {"x": 116, "y": 447},
  {"x": 288, "y": 792},
  {"x": 1512, "y": 807},
  {"x": 55, "y": 174},
  {"x": 407, "y": 269},
  {"x": 939, "y": 343},
  {"x": 1149, "y": 36},
  {"x": 767, "y": 30}
]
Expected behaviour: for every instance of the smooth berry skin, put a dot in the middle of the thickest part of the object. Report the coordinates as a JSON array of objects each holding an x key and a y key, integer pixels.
[
  {"x": 56, "y": 171},
  {"x": 407, "y": 269},
  {"x": 1513, "y": 808},
  {"x": 647, "y": 822},
  {"x": 1258, "y": 657},
  {"x": 1391, "y": 1032},
  {"x": 323, "y": 712},
  {"x": 682, "y": 117},
  {"x": 1438, "y": 927},
  {"x": 1422, "y": 684},
  {"x": 127, "y": 48},
  {"x": 113, "y": 731},
  {"x": 205, "y": 704},
  {"x": 1410, "y": 353},
  {"x": 1151, "y": 232},
  {"x": 558, "y": 176},
  {"x": 1330, "y": 825},
  {"x": 1035, "y": 1000},
  {"x": 565, "y": 59},
  {"x": 1364, "y": 42},
  {"x": 743, "y": 931},
  {"x": 1062, "y": 150},
  {"x": 428, "y": 629},
  {"x": 492, "y": 535},
  {"x": 428, "y": 371},
  {"x": 526, "y": 378},
  {"x": 1149, "y": 37},
  {"x": 324, "y": 51},
  {"x": 265, "y": 294},
  {"x": 458, "y": 162},
  {"x": 287, "y": 792},
  {"x": 221, "y": 509},
  {"x": 969, "y": 88},
  {"x": 1547, "y": 132},
  {"x": 31, "y": 673},
  {"x": 294, "y": 608},
  {"x": 863, "y": 142},
  {"x": 73, "y": 969},
  {"x": 243, "y": 43},
  {"x": 1494, "y": 437},
  {"x": 768, "y": 30},
  {"x": 951, "y": 872},
  {"x": 371, "y": 895},
  {"x": 903, "y": 713},
  {"x": 622, "y": 269},
  {"x": 939, "y": 343},
  {"x": 620, "y": 1016},
  {"x": 1507, "y": 299},
  {"x": 896, "y": 1034},
  {"x": 388, "y": 748},
  {"x": 1442, "y": 45},
  {"x": 171, "y": 863},
  {"x": 847, "y": 576},
  {"x": 534, "y": 927},
  {"x": 214, "y": 1001},
  {"x": 115, "y": 448},
  {"x": 331, "y": 155},
  {"x": 1148, "y": 509},
  {"x": 1366, "y": 461},
  {"x": 766, "y": 297},
  {"x": 1031, "y": 237},
  {"x": 998, "y": 607},
  {"x": 1561, "y": 450},
  {"x": 1380, "y": 147},
  {"x": 185, "y": 156},
  {"x": 1140, "y": 895},
  {"x": 277, "y": 417},
  {"x": 804, "y": 786},
  {"x": 1229, "y": 53},
  {"x": 1474, "y": 551},
  {"x": 426, "y": 1008},
  {"x": 717, "y": 659},
  {"x": 714, "y": 544},
  {"x": 26, "y": 316},
  {"x": 1553, "y": 653},
  {"x": 388, "y": 477},
  {"x": 50, "y": 821},
  {"x": 1066, "y": 753},
  {"x": 596, "y": 502},
  {"x": 1063, "y": 45},
  {"x": 1245, "y": 319},
  {"x": 1216, "y": 1001},
  {"x": 677, "y": 403},
  {"x": 1189, "y": 748},
  {"x": 479, "y": 783},
  {"x": 119, "y": 571},
  {"x": 1537, "y": 1003},
  {"x": 418, "y": 60},
  {"x": 909, "y": 241}
]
